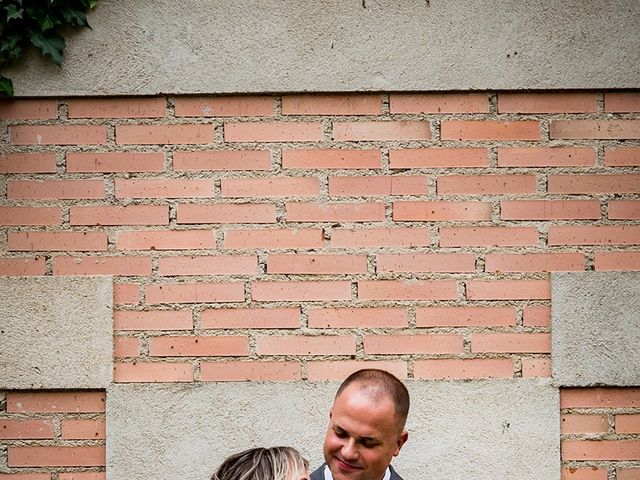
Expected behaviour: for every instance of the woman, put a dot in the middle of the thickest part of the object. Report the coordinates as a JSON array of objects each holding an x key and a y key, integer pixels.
[{"x": 275, "y": 463}]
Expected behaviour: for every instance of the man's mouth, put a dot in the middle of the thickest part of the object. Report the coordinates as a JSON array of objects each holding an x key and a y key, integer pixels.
[{"x": 346, "y": 466}]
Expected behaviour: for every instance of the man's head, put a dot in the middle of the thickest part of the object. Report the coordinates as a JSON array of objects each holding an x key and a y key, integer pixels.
[{"x": 366, "y": 425}]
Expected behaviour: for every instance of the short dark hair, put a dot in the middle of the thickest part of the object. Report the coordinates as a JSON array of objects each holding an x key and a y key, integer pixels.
[{"x": 381, "y": 382}]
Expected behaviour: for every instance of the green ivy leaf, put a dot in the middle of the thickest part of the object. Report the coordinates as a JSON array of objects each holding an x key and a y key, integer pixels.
[
  {"x": 13, "y": 12},
  {"x": 52, "y": 45},
  {"x": 6, "y": 87},
  {"x": 48, "y": 22},
  {"x": 75, "y": 17}
]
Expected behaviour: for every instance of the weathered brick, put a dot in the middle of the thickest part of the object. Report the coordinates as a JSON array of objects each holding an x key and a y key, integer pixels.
[
  {"x": 306, "y": 345},
  {"x": 132, "y": 107},
  {"x": 622, "y": 102},
  {"x": 488, "y": 236},
  {"x": 55, "y": 402},
  {"x": 233, "y": 106},
  {"x": 152, "y": 320},
  {"x": 276, "y": 238},
  {"x": 407, "y": 290},
  {"x": 283, "y": 317},
  {"x": 195, "y": 292},
  {"x": 484, "y": 184},
  {"x": 377, "y": 186},
  {"x": 594, "y": 129},
  {"x": 55, "y": 189},
  {"x": 549, "y": 209},
  {"x": 164, "y": 134},
  {"x": 81, "y": 162},
  {"x": 116, "y": 215},
  {"x": 465, "y": 316},
  {"x": 126, "y": 293},
  {"x": 534, "y": 262},
  {"x": 36, "y": 456},
  {"x": 511, "y": 343},
  {"x": 377, "y": 317},
  {"x": 426, "y": 262},
  {"x": 222, "y": 160},
  {"x": 22, "y": 266},
  {"x": 81, "y": 429},
  {"x": 331, "y": 159},
  {"x": 622, "y": 156},
  {"x": 243, "y": 371},
  {"x": 334, "y": 212},
  {"x": 270, "y": 187},
  {"x": 624, "y": 210},
  {"x": 163, "y": 188},
  {"x": 439, "y": 157},
  {"x": 379, "y": 237},
  {"x": 57, "y": 241},
  {"x": 300, "y": 291},
  {"x": 30, "y": 216},
  {"x": 600, "y": 449},
  {"x": 20, "y": 429},
  {"x": 547, "y": 157},
  {"x": 611, "y": 261},
  {"x": 536, "y": 316},
  {"x": 27, "y": 163},
  {"x": 152, "y": 372},
  {"x": 28, "y": 109},
  {"x": 124, "y": 266},
  {"x": 376, "y": 130},
  {"x": 316, "y": 264},
  {"x": 165, "y": 240},
  {"x": 576, "y": 423},
  {"x": 632, "y": 473},
  {"x": 208, "y": 265},
  {"x": 508, "y": 289},
  {"x": 126, "y": 347},
  {"x": 332, "y": 104},
  {"x": 590, "y": 184},
  {"x": 554, "y": 102},
  {"x": 273, "y": 132},
  {"x": 439, "y": 103},
  {"x": 589, "y": 473},
  {"x": 600, "y": 397},
  {"x": 430, "y": 211},
  {"x": 412, "y": 344},
  {"x": 490, "y": 130},
  {"x": 338, "y": 370},
  {"x": 454, "y": 368},
  {"x": 594, "y": 235},
  {"x": 629, "y": 423},
  {"x": 58, "y": 134},
  {"x": 226, "y": 213},
  {"x": 536, "y": 367},
  {"x": 219, "y": 346}
]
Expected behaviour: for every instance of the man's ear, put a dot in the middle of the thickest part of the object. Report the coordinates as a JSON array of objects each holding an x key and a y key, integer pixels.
[{"x": 402, "y": 439}]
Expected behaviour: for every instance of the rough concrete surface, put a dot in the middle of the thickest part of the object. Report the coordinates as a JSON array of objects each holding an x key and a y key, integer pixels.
[
  {"x": 184, "y": 431},
  {"x": 202, "y": 46},
  {"x": 56, "y": 332},
  {"x": 595, "y": 328}
]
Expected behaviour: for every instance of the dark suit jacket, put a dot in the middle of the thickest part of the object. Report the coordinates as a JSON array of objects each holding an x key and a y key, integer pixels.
[{"x": 319, "y": 474}]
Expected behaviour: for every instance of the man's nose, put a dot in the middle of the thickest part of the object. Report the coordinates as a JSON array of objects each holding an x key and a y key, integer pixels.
[{"x": 349, "y": 450}]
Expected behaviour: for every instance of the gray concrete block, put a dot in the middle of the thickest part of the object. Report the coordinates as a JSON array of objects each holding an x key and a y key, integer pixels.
[
  {"x": 146, "y": 47},
  {"x": 184, "y": 431},
  {"x": 595, "y": 328},
  {"x": 56, "y": 332}
]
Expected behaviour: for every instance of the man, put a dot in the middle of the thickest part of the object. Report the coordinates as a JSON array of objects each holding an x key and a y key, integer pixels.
[{"x": 366, "y": 428}]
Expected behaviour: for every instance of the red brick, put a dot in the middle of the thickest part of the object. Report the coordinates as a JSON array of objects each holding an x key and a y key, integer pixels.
[
  {"x": 226, "y": 213},
  {"x": 431, "y": 211},
  {"x": 547, "y": 157},
  {"x": 166, "y": 240},
  {"x": 334, "y": 212},
  {"x": 536, "y": 316},
  {"x": 408, "y": 290},
  {"x": 126, "y": 293},
  {"x": 465, "y": 316},
  {"x": 30, "y": 216},
  {"x": 508, "y": 289},
  {"x": 439, "y": 157},
  {"x": 600, "y": 450},
  {"x": 271, "y": 187},
  {"x": 339, "y": 370},
  {"x": 55, "y": 189},
  {"x": 243, "y": 371},
  {"x": 164, "y": 134},
  {"x": 116, "y": 215},
  {"x": 589, "y": 473},
  {"x": 332, "y": 104},
  {"x": 152, "y": 320},
  {"x": 594, "y": 129},
  {"x": 624, "y": 209},
  {"x": 57, "y": 241},
  {"x": 27, "y": 163},
  {"x": 133, "y": 107},
  {"x": 392, "y": 130},
  {"x": 426, "y": 262},
  {"x": 223, "y": 346},
  {"x": 439, "y": 103},
  {"x": 484, "y": 184},
  {"x": 600, "y": 397},
  {"x": 556, "y": 102},
  {"x": 123, "y": 266},
  {"x": 14, "y": 429},
  {"x": 378, "y": 186},
  {"x": 282, "y": 317},
  {"x": 273, "y": 132},
  {"x": 232, "y": 106},
  {"x": 82, "y": 476},
  {"x": 155, "y": 372},
  {"x": 628, "y": 423},
  {"x": 164, "y": 188},
  {"x": 536, "y": 367},
  {"x": 33, "y": 456},
  {"x": 622, "y": 102},
  {"x": 28, "y": 109},
  {"x": 273, "y": 238},
  {"x": 58, "y": 134},
  {"x": 534, "y": 262},
  {"x": 625, "y": 474},
  {"x": 549, "y": 210},
  {"x": 594, "y": 235},
  {"x": 379, "y": 237},
  {"x": 454, "y": 368},
  {"x": 195, "y": 292},
  {"x": 222, "y": 160},
  {"x": 55, "y": 402},
  {"x": 378, "y": 317},
  {"x": 412, "y": 344},
  {"x": 300, "y": 291},
  {"x": 490, "y": 130},
  {"x": 593, "y": 184},
  {"x": 316, "y": 264},
  {"x": 511, "y": 342},
  {"x": 26, "y": 476},
  {"x": 208, "y": 265},
  {"x": 488, "y": 236},
  {"x": 331, "y": 159},
  {"x": 81, "y": 162},
  {"x": 306, "y": 345},
  {"x": 126, "y": 347},
  {"x": 82, "y": 429},
  {"x": 22, "y": 266},
  {"x": 612, "y": 261},
  {"x": 622, "y": 156},
  {"x": 575, "y": 423}
]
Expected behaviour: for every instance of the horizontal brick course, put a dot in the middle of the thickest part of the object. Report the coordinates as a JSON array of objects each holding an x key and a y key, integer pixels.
[
  {"x": 331, "y": 159},
  {"x": 534, "y": 262},
  {"x": 152, "y": 372},
  {"x": 550, "y": 210},
  {"x": 195, "y": 292},
  {"x": 35, "y": 456},
  {"x": 547, "y": 157},
  {"x": 273, "y": 238},
  {"x": 427, "y": 262},
  {"x": 594, "y": 129},
  {"x": 488, "y": 236},
  {"x": 135, "y": 107},
  {"x": 57, "y": 241},
  {"x": 306, "y": 345},
  {"x": 81, "y": 162},
  {"x": 490, "y": 130},
  {"x": 273, "y": 132},
  {"x": 284, "y": 317},
  {"x": 332, "y": 104},
  {"x": 622, "y": 156},
  {"x": 28, "y": 109},
  {"x": 222, "y": 160},
  {"x": 574, "y": 102},
  {"x": 152, "y": 320},
  {"x": 508, "y": 289},
  {"x": 165, "y": 240},
  {"x": 394, "y": 130},
  {"x": 423, "y": 211},
  {"x": 223, "y": 346},
  {"x": 22, "y": 266},
  {"x": 465, "y": 316},
  {"x": 407, "y": 290},
  {"x": 379, "y": 317},
  {"x": 270, "y": 187},
  {"x": 316, "y": 264},
  {"x": 439, "y": 103},
  {"x": 164, "y": 134},
  {"x": 300, "y": 291},
  {"x": 101, "y": 265},
  {"x": 235, "y": 106},
  {"x": 379, "y": 237},
  {"x": 226, "y": 213},
  {"x": 377, "y": 186},
  {"x": 163, "y": 188},
  {"x": 58, "y": 134},
  {"x": 590, "y": 184},
  {"x": 30, "y": 216},
  {"x": 55, "y": 189},
  {"x": 412, "y": 344},
  {"x": 334, "y": 212},
  {"x": 437, "y": 369},
  {"x": 126, "y": 215},
  {"x": 439, "y": 157},
  {"x": 511, "y": 343},
  {"x": 242, "y": 371},
  {"x": 208, "y": 265},
  {"x": 27, "y": 163},
  {"x": 479, "y": 185}
]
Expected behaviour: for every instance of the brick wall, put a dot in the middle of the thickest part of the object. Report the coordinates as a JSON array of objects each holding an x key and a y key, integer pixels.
[{"x": 300, "y": 237}]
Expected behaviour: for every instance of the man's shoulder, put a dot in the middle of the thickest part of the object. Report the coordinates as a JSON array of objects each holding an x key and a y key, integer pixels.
[
  {"x": 318, "y": 474},
  {"x": 394, "y": 474}
]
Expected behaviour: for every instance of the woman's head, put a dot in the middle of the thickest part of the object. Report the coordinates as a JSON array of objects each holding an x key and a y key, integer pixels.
[{"x": 275, "y": 463}]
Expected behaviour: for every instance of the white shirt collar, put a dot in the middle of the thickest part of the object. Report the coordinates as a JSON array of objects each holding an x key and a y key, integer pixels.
[{"x": 328, "y": 476}]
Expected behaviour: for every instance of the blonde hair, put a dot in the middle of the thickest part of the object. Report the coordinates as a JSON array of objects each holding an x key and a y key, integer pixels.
[{"x": 275, "y": 463}]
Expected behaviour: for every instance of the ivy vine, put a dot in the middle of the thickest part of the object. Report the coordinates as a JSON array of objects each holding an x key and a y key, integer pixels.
[{"x": 37, "y": 23}]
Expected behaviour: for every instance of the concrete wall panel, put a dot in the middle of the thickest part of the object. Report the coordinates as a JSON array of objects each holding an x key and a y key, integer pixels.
[
  {"x": 185, "y": 431},
  {"x": 56, "y": 332},
  {"x": 202, "y": 46},
  {"x": 595, "y": 328}
]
